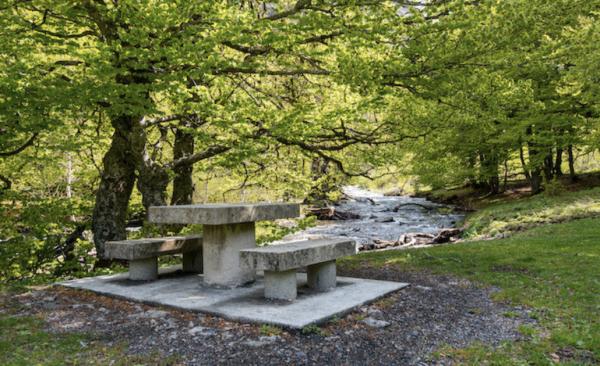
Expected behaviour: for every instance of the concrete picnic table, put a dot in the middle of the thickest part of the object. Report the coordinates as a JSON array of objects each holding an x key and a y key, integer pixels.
[{"x": 227, "y": 229}]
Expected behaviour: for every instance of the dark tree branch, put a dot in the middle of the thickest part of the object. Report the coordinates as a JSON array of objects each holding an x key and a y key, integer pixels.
[
  {"x": 22, "y": 147},
  {"x": 251, "y": 50},
  {"x": 240, "y": 70},
  {"x": 321, "y": 38},
  {"x": 7, "y": 182}
]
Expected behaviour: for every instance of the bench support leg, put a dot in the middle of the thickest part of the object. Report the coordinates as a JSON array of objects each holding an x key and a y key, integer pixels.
[
  {"x": 192, "y": 262},
  {"x": 321, "y": 276},
  {"x": 280, "y": 285},
  {"x": 143, "y": 269}
]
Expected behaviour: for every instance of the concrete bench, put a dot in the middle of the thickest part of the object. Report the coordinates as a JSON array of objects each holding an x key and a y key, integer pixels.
[
  {"x": 143, "y": 254},
  {"x": 280, "y": 263}
]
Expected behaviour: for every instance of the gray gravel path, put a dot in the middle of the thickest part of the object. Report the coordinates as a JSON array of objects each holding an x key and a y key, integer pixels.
[{"x": 402, "y": 329}]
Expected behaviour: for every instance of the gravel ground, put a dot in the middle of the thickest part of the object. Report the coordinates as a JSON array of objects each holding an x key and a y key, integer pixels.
[{"x": 401, "y": 329}]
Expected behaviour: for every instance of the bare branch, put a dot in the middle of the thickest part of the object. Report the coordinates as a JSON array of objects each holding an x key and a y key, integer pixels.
[{"x": 203, "y": 155}]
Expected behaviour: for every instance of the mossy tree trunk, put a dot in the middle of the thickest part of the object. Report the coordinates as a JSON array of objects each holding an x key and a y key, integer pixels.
[
  {"x": 117, "y": 181},
  {"x": 183, "y": 184}
]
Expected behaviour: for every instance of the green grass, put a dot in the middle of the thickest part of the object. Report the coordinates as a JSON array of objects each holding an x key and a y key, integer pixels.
[
  {"x": 553, "y": 269},
  {"x": 269, "y": 330},
  {"x": 502, "y": 217}
]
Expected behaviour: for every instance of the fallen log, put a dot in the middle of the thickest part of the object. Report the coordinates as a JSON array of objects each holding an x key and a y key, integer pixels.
[
  {"x": 447, "y": 235},
  {"x": 331, "y": 213},
  {"x": 411, "y": 239}
]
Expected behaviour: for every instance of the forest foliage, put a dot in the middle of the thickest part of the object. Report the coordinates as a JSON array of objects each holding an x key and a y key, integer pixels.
[{"x": 109, "y": 107}]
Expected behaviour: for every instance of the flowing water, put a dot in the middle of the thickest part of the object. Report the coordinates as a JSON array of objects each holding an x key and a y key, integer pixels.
[{"x": 383, "y": 217}]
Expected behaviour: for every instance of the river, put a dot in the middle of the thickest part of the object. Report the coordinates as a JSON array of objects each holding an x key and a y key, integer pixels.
[{"x": 382, "y": 217}]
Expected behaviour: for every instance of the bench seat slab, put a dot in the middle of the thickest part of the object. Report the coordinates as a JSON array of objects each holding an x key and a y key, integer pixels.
[
  {"x": 153, "y": 247},
  {"x": 283, "y": 257}
]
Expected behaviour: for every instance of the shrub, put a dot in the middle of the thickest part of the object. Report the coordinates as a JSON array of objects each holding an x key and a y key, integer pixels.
[{"x": 553, "y": 188}]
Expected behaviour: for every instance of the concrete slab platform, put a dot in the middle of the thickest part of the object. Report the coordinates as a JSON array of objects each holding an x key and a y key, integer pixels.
[{"x": 246, "y": 304}]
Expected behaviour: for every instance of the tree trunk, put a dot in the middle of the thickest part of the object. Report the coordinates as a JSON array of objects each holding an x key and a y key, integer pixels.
[
  {"x": 488, "y": 174},
  {"x": 116, "y": 184},
  {"x": 549, "y": 167},
  {"x": 571, "y": 158},
  {"x": 536, "y": 181},
  {"x": 319, "y": 171},
  {"x": 152, "y": 183},
  {"x": 183, "y": 184},
  {"x": 524, "y": 165},
  {"x": 472, "y": 179},
  {"x": 505, "y": 185},
  {"x": 535, "y": 164},
  {"x": 535, "y": 172},
  {"x": 558, "y": 162},
  {"x": 494, "y": 184}
]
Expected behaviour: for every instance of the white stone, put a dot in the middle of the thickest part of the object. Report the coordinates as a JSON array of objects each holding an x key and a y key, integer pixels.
[
  {"x": 262, "y": 341},
  {"x": 375, "y": 323},
  {"x": 155, "y": 314},
  {"x": 201, "y": 331}
]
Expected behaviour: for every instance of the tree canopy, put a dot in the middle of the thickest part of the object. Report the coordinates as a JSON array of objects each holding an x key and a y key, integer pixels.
[{"x": 108, "y": 107}]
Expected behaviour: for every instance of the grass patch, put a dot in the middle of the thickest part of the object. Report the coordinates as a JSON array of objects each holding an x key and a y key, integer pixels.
[
  {"x": 269, "y": 330},
  {"x": 314, "y": 329},
  {"x": 503, "y": 218},
  {"x": 553, "y": 269}
]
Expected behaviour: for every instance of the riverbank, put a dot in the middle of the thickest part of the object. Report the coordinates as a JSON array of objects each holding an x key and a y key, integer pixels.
[{"x": 516, "y": 210}]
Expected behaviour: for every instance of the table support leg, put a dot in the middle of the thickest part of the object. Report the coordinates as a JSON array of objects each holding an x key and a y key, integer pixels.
[
  {"x": 192, "y": 262},
  {"x": 221, "y": 247}
]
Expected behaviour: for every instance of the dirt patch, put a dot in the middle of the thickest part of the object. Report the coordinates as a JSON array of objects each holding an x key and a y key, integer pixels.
[
  {"x": 580, "y": 357},
  {"x": 507, "y": 268},
  {"x": 403, "y": 329}
]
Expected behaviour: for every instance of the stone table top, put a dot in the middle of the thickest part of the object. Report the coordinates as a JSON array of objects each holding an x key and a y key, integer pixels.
[{"x": 222, "y": 213}]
